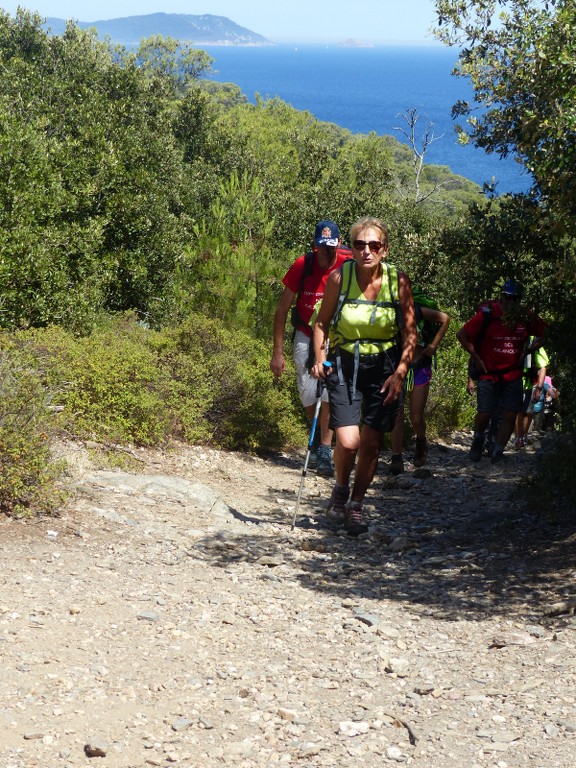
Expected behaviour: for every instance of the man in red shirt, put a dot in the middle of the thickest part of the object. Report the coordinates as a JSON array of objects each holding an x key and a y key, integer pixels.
[
  {"x": 498, "y": 339},
  {"x": 305, "y": 282}
]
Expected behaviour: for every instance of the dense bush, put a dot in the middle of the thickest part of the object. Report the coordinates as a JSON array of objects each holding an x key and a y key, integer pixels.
[
  {"x": 127, "y": 383},
  {"x": 27, "y": 473},
  {"x": 449, "y": 404}
]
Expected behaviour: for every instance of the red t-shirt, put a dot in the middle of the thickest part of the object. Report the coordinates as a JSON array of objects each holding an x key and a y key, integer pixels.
[
  {"x": 502, "y": 345},
  {"x": 314, "y": 284}
]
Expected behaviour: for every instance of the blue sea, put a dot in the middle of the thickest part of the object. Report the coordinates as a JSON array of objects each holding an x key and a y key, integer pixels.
[{"x": 368, "y": 89}]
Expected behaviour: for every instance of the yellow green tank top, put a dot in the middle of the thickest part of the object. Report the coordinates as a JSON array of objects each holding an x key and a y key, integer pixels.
[
  {"x": 532, "y": 364},
  {"x": 362, "y": 326}
]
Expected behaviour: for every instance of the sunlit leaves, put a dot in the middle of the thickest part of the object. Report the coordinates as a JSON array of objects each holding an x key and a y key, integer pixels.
[
  {"x": 90, "y": 172},
  {"x": 522, "y": 70}
]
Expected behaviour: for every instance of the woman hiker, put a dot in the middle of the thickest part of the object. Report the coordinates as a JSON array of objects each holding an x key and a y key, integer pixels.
[{"x": 366, "y": 328}]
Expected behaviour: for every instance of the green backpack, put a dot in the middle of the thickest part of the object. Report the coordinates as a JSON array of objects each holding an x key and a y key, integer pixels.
[{"x": 426, "y": 329}]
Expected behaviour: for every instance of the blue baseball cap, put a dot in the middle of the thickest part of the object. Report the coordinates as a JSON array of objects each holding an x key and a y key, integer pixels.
[
  {"x": 326, "y": 233},
  {"x": 511, "y": 288}
]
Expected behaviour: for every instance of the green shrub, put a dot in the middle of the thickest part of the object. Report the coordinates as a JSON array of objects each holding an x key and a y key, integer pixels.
[
  {"x": 449, "y": 404},
  {"x": 225, "y": 378},
  {"x": 199, "y": 382},
  {"x": 27, "y": 473}
]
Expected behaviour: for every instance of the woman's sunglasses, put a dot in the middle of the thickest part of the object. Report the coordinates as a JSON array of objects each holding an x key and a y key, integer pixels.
[{"x": 374, "y": 245}]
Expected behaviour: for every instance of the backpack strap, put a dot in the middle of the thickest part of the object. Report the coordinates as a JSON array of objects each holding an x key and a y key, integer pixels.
[
  {"x": 396, "y": 297},
  {"x": 347, "y": 267},
  {"x": 308, "y": 269},
  {"x": 487, "y": 318},
  {"x": 473, "y": 371}
]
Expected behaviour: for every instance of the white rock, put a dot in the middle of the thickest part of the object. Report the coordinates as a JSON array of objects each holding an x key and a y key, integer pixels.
[{"x": 350, "y": 728}]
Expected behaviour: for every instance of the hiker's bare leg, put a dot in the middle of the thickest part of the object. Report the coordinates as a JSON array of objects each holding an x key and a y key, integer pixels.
[
  {"x": 506, "y": 427},
  {"x": 397, "y": 434},
  {"x": 310, "y": 410},
  {"x": 481, "y": 421},
  {"x": 370, "y": 444},
  {"x": 418, "y": 399},
  {"x": 347, "y": 443}
]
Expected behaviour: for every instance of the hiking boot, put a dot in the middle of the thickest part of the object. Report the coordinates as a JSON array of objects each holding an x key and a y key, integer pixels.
[
  {"x": 497, "y": 456},
  {"x": 313, "y": 460},
  {"x": 336, "y": 508},
  {"x": 397, "y": 464},
  {"x": 421, "y": 452},
  {"x": 324, "y": 466},
  {"x": 354, "y": 523},
  {"x": 475, "y": 452}
]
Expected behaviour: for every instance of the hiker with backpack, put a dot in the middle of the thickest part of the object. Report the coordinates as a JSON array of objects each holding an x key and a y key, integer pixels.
[
  {"x": 304, "y": 285},
  {"x": 431, "y": 326},
  {"x": 504, "y": 328},
  {"x": 473, "y": 372},
  {"x": 535, "y": 386},
  {"x": 366, "y": 329}
]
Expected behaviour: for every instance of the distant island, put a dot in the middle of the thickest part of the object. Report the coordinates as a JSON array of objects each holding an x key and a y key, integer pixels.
[
  {"x": 350, "y": 43},
  {"x": 200, "y": 30}
]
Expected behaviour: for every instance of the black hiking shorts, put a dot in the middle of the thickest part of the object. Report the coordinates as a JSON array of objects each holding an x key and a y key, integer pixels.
[
  {"x": 365, "y": 405},
  {"x": 493, "y": 395}
]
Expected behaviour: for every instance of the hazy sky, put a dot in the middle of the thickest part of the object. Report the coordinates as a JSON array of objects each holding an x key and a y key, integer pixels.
[{"x": 399, "y": 21}]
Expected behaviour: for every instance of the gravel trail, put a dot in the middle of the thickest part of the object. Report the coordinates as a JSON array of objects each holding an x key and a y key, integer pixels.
[{"x": 170, "y": 617}]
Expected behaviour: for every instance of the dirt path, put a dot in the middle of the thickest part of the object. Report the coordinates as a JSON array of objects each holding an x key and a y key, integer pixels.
[{"x": 171, "y": 617}]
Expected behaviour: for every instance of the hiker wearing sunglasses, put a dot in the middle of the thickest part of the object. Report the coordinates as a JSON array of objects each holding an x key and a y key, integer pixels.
[
  {"x": 366, "y": 329},
  {"x": 498, "y": 345}
]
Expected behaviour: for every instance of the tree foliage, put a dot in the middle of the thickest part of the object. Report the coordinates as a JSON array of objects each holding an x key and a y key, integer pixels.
[
  {"x": 117, "y": 167},
  {"x": 90, "y": 173},
  {"x": 520, "y": 56}
]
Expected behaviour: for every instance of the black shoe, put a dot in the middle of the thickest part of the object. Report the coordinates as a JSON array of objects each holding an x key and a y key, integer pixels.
[
  {"x": 397, "y": 464},
  {"x": 497, "y": 456},
  {"x": 421, "y": 452},
  {"x": 475, "y": 452}
]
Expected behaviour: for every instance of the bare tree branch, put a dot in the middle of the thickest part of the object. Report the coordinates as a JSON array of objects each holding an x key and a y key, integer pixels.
[{"x": 418, "y": 150}]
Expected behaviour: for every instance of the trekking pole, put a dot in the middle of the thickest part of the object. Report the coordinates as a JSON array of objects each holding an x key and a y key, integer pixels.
[{"x": 319, "y": 389}]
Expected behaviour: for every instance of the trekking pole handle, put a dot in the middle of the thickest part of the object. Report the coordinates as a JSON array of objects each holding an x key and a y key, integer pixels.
[{"x": 327, "y": 365}]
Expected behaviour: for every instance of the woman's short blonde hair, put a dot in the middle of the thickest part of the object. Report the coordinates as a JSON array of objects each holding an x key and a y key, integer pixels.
[{"x": 369, "y": 222}]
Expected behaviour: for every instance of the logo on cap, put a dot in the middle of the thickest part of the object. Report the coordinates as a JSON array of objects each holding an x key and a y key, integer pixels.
[{"x": 326, "y": 233}]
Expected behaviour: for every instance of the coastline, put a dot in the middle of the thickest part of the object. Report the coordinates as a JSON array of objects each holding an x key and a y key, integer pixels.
[{"x": 367, "y": 90}]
